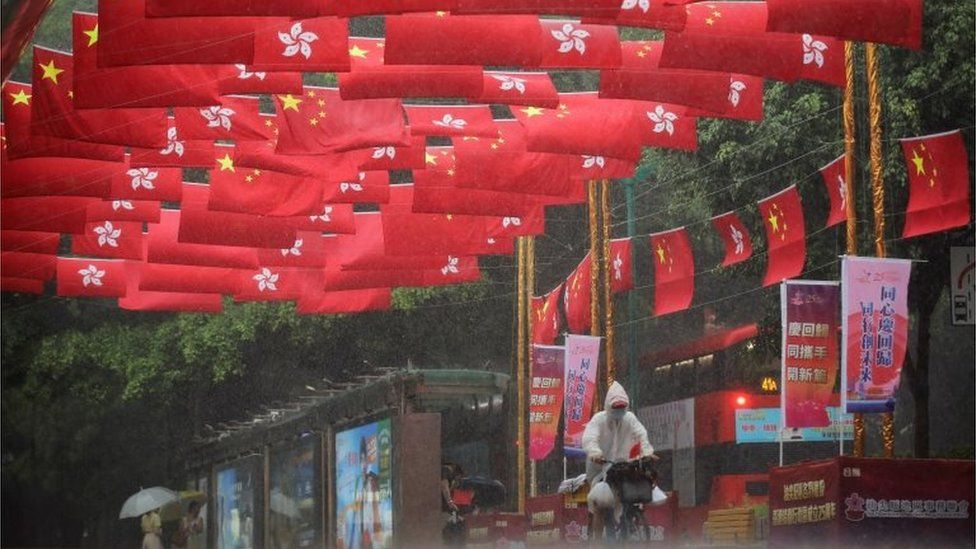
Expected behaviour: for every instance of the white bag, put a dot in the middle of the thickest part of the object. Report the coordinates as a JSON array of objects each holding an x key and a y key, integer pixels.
[{"x": 601, "y": 496}]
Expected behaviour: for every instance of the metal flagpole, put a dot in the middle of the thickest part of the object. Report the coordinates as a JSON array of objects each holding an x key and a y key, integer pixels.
[
  {"x": 520, "y": 373},
  {"x": 529, "y": 242},
  {"x": 606, "y": 269}
]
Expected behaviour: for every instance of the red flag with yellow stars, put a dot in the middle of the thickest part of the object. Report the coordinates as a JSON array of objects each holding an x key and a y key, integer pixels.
[
  {"x": 110, "y": 239},
  {"x": 674, "y": 271},
  {"x": 938, "y": 183},
  {"x": 833, "y": 178},
  {"x": 545, "y": 316},
  {"x": 21, "y": 143},
  {"x": 319, "y": 122},
  {"x": 897, "y": 22},
  {"x": 53, "y": 114},
  {"x": 317, "y": 44},
  {"x": 91, "y": 277},
  {"x": 261, "y": 154},
  {"x": 576, "y": 299},
  {"x": 263, "y": 192},
  {"x": 735, "y": 235},
  {"x": 786, "y": 247}
]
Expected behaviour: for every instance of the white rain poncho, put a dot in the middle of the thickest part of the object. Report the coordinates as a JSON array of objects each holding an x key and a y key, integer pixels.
[{"x": 614, "y": 439}]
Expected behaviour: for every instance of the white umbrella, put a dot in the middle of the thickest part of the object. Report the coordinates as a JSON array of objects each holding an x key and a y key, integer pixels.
[{"x": 146, "y": 500}]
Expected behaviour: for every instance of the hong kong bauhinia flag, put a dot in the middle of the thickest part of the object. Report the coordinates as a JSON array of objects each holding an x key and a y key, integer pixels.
[
  {"x": 738, "y": 246},
  {"x": 782, "y": 216},
  {"x": 897, "y": 22},
  {"x": 833, "y": 178},
  {"x": 674, "y": 271},
  {"x": 91, "y": 277},
  {"x": 545, "y": 316},
  {"x": 938, "y": 183},
  {"x": 621, "y": 266}
]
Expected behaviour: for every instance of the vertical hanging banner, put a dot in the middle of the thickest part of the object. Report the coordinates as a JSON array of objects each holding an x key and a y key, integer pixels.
[
  {"x": 810, "y": 353},
  {"x": 545, "y": 398},
  {"x": 875, "y": 331},
  {"x": 582, "y": 360}
]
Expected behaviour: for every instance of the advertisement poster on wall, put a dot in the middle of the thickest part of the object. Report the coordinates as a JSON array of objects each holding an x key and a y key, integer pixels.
[
  {"x": 237, "y": 509},
  {"x": 671, "y": 426},
  {"x": 295, "y": 518},
  {"x": 364, "y": 487}
]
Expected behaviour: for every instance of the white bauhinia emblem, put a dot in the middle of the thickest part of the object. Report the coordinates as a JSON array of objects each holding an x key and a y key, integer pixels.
[
  {"x": 663, "y": 120},
  {"x": 513, "y": 221},
  {"x": 842, "y": 191},
  {"x": 297, "y": 41},
  {"x": 590, "y": 161},
  {"x": 450, "y": 122},
  {"x": 217, "y": 116},
  {"x": 735, "y": 89},
  {"x": 737, "y": 239},
  {"x": 325, "y": 217},
  {"x": 491, "y": 241},
  {"x": 123, "y": 204},
  {"x": 380, "y": 152},
  {"x": 173, "y": 145},
  {"x": 244, "y": 74},
  {"x": 91, "y": 276},
  {"x": 352, "y": 185},
  {"x": 570, "y": 38},
  {"x": 142, "y": 178},
  {"x": 618, "y": 264},
  {"x": 510, "y": 82},
  {"x": 296, "y": 248},
  {"x": 644, "y": 5},
  {"x": 813, "y": 51},
  {"x": 451, "y": 267},
  {"x": 266, "y": 280},
  {"x": 107, "y": 234}
]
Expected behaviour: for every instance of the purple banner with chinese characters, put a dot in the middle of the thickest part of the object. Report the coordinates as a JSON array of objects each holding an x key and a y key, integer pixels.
[
  {"x": 810, "y": 354},
  {"x": 875, "y": 327},
  {"x": 545, "y": 398},
  {"x": 582, "y": 358}
]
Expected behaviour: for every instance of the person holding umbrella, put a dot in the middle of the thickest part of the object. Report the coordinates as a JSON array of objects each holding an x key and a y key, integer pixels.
[
  {"x": 147, "y": 503},
  {"x": 152, "y": 530}
]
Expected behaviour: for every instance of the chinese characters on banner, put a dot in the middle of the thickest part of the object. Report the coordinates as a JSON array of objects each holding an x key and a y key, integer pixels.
[
  {"x": 875, "y": 331},
  {"x": 545, "y": 398},
  {"x": 809, "y": 351},
  {"x": 582, "y": 357}
]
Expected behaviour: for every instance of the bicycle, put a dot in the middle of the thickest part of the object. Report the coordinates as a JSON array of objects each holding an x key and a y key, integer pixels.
[{"x": 633, "y": 483}]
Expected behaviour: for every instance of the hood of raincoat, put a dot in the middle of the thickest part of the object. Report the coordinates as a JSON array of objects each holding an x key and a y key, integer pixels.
[{"x": 615, "y": 393}]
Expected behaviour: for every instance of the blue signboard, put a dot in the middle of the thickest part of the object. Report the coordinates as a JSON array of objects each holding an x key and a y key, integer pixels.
[{"x": 763, "y": 424}]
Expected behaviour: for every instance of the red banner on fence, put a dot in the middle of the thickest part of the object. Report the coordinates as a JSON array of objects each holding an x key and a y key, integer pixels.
[
  {"x": 545, "y": 398},
  {"x": 810, "y": 357}
]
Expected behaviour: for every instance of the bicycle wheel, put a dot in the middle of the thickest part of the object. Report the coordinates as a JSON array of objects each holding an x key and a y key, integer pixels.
[{"x": 637, "y": 531}]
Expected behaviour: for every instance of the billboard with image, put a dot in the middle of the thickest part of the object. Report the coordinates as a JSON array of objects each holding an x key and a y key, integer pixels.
[
  {"x": 364, "y": 486},
  {"x": 237, "y": 504},
  {"x": 294, "y": 495}
]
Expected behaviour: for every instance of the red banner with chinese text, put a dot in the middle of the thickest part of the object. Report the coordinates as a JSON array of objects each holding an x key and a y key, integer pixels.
[
  {"x": 810, "y": 354},
  {"x": 545, "y": 398},
  {"x": 582, "y": 357}
]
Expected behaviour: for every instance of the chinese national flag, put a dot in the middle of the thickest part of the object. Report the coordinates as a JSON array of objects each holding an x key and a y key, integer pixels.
[
  {"x": 47, "y": 176},
  {"x": 91, "y": 277},
  {"x": 738, "y": 246},
  {"x": 27, "y": 265},
  {"x": 21, "y": 143},
  {"x": 833, "y": 178},
  {"x": 142, "y": 183},
  {"x": 124, "y": 210},
  {"x": 545, "y": 316},
  {"x": 202, "y": 226},
  {"x": 21, "y": 285},
  {"x": 53, "y": 114},
  {"x": 194, "y": 279},
  {"x": 164, "y": 247},
  {"x": 372, "y": 187},
  {"x": 308, "y": 251},
  {"x": 896, "y": 22},
  {"x": 518, "y": 88},
  {"x": 938, "y": 183},
  {"x": 582, "y": 124},
  {"x": 782, "y": 216},
  {"x": 211, "y": 8},
  {"x": 370, "y": 78},
  {"x": 110, "y": 239},
  {"x": 277, "y": 284},
  {"x": 621, "y": 266},
  {"x": 488, "y": 40},
  {"x": 127, "y": 37},
  {"x": 674, "y": 271},
  {"x": 56, "y": 214},
  {"x": 344, "y": 302},
  {"x": 572, "y": 45},
  {"x": 134, "y": 86},
  {"x": 35, "y": 242},
  {"x": 262, "y": 192},
  {"x": 335, "y": 166},
  {"x": 317, "y": 44},
  {"x": 451, "y": 120},
  {"x": 235, "y": 118},
  {"x": 178, "y": 152},
  {"x": 321, "y": 122},
  {"x": 576, "y": 299},
  {"x": 138, "y": 300}
]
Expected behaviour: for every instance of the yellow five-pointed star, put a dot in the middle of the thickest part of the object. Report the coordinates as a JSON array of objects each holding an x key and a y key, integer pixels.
[
  {"x": 919, "y": 163},
  {"x": 709, "y": 21},
  {"x": 248, "y": 179},
  {"x": 532, "y": 111},
  {"x": 50, "y": 71},
  {"x": 92, "y": 35},
  {"x": 289, "y": 102},
  {"x": 641, "y": 53},
  {"x": 430, "y": 159},
  {"x": 774, "y": 222},
  {"x": 660, "y": 253},
  {"x": 226, "y": 163},
  {"x": 356, "y": 51},
  {"x": 21, "y": 98}
]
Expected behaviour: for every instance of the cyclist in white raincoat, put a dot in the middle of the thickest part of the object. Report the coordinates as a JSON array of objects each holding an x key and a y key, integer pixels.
[{"x": 615, "y": 434}]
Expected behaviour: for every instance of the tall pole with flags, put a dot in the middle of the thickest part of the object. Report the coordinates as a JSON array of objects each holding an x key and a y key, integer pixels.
[
  {"x": 529, "y": 242},
  {"x": 520, "y": 371},
  {"x": 605, "y": 270}
]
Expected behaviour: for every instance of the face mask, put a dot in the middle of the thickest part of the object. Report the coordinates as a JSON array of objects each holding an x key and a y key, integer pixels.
[{"x": 618, "y": 413}]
